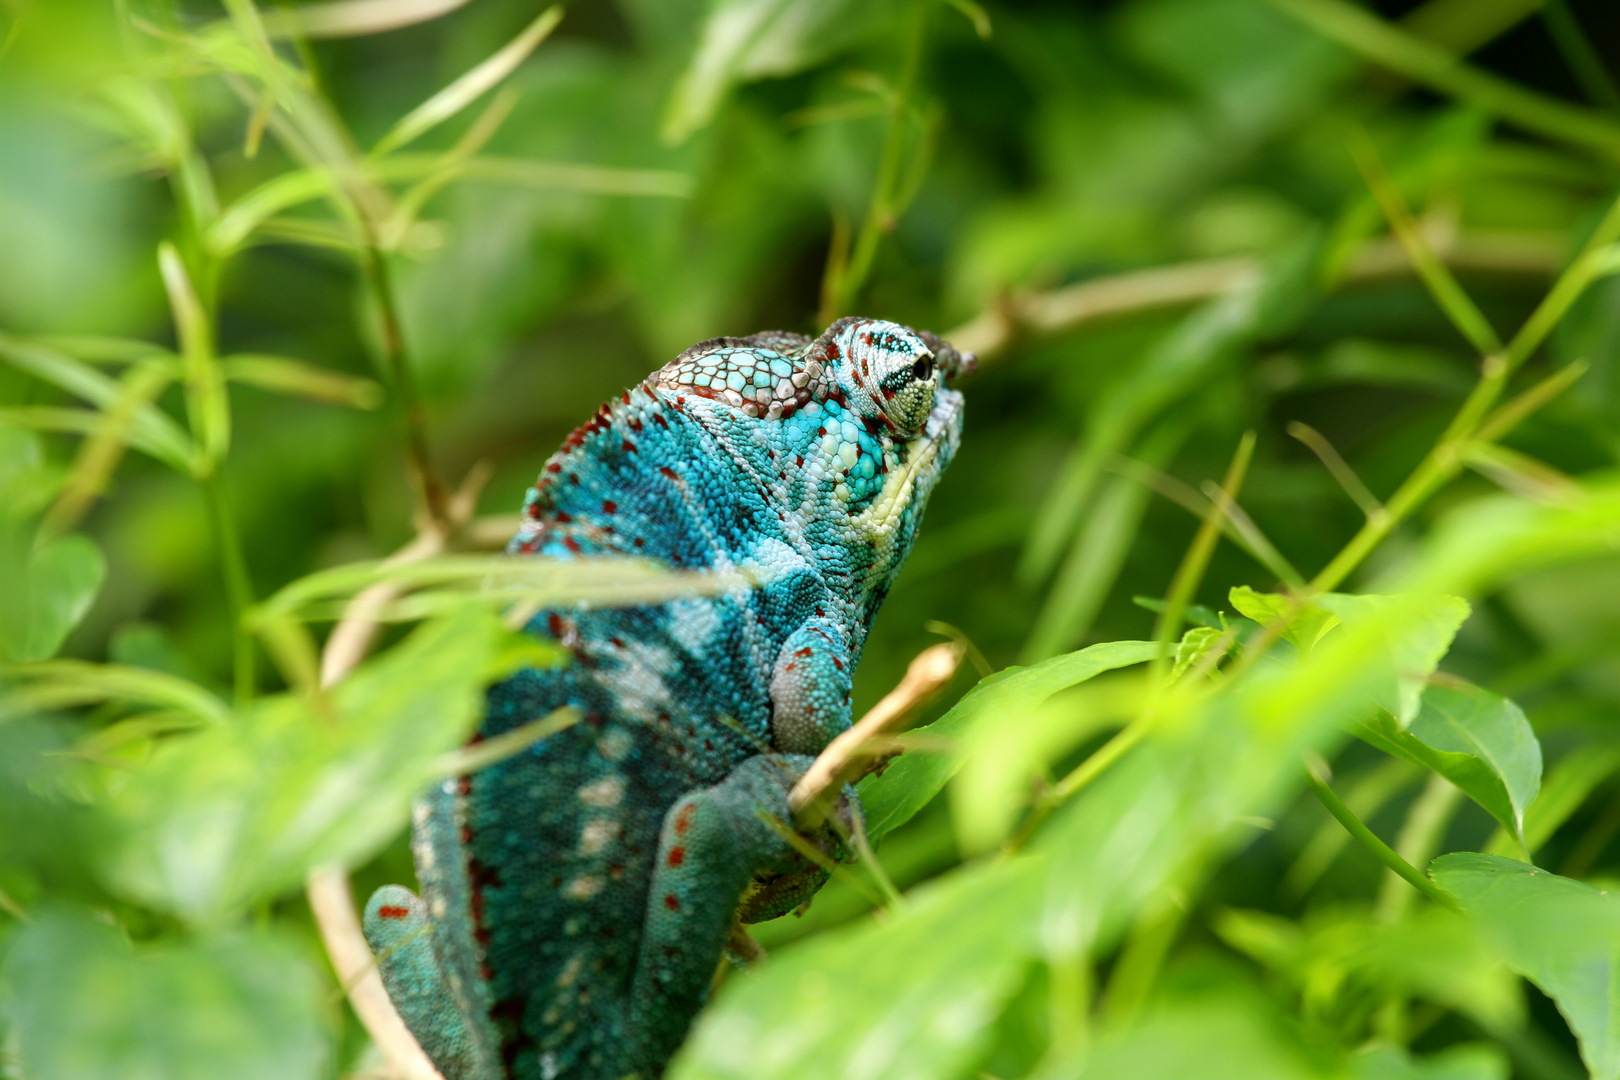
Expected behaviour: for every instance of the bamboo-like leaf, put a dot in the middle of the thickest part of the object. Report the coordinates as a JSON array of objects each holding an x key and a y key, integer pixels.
[
  {"x": 298, "y": 379},
  {"x": 353, "y": 18},
  {"x": 471, "y": 86},
  {"x": 103, "y": 350},
  {"x": 1372, "y": 37},
  {"x": 206, "y": 402},
  {"x": 605, "y": 581},
  {"x": 100, "y": 454},
  {"x": 79, "y": 682},
  {"x": 244, "y": 215},
  {"x": 152, "y": 430}
]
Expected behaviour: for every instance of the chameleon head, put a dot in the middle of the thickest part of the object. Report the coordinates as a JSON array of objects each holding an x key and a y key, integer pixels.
[{"x": 893, "y": 382}]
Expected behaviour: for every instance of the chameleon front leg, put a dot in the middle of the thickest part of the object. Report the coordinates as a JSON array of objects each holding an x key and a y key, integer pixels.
[
  {"x": 714, "y": 843},
  {"x": 810, "y": 688},
  {"x": 399, "y": 929}
]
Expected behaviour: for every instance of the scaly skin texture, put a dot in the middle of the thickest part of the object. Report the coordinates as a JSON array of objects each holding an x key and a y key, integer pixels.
[{"x": 576, "y": 898}]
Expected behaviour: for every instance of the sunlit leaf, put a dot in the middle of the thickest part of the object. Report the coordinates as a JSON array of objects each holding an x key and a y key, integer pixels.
[
  {"x": 48, "y": 590},
  {"x": 471, "y": 86},
  {"x": 1307, "y": 627},
  {"x": 1479, "y": 741},
  {"x": 83, "y": 1004},
  {"x": 1428, "y": 623},
  {"x": 220, "y": 818},
  {"x": 912, "y": 998},
  {"x": 1562, "y": 935},
  {"x": 1000, "y": 699},
  {"x": 353, "y": 18}
]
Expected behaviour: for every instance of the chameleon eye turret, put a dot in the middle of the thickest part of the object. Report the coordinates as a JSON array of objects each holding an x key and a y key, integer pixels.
[
  {"x": 576, "y": 897},
  {"x": 887, "y": 371}
]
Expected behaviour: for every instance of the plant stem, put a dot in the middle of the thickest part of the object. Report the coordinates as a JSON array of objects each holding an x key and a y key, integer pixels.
[
  {"x": 238, "y": 587},
  {"x": 1191, "y": 570},
  {"x": 881, "y": 212},
  {"x": 374, "y": 266},
  {"x": 1380, "y": 850}
]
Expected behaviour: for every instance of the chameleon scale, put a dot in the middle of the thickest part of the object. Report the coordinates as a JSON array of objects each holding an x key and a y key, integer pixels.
[{"x": 575, "y": 899}]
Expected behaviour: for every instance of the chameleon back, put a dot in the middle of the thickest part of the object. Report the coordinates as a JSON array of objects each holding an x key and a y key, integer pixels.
[{"x": 769, "y": 455}]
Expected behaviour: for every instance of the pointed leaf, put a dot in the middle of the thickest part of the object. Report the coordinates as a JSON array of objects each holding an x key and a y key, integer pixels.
[
  {"x": 1479, "y": 741},
  {"x": 48, "y": 591},
  {"x": 1562, "y": 935},
  {"x": 1005, "y": 697},
  {"x": 85, "y": 1005},
  {"x": 471, "y": 86},
  {"x": 242, "y": 811}
]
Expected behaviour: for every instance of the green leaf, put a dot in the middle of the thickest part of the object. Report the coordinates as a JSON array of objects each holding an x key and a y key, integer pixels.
[
  {"x": 1564, "y": 790},
  {"x": 298, "y": 379},
  {"x": 1194, "y": 646},
  {"x": 1479, "y": 741},
  {"x": 1470, "y": 1061},
  {"x": 1426, "y": 626},
  {"x": 238, "y": 812},
  {"x": 472, "y": 85},
  {"x": 48, "y": 591},
  {"x": 1265, "y": 608},
  {"x": 1228, "y": 1033},
  {"x": 1006, "y": 697},
  {"x": 751, "y": 39},
  {"x": 1562, "y": 935},
  {"x": 910, "y": 998},
  {"x": 84, "y": 1005}
]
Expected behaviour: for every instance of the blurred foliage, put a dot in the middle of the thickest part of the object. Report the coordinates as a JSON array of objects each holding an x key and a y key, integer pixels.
[{"x": 1289, "y": 475}]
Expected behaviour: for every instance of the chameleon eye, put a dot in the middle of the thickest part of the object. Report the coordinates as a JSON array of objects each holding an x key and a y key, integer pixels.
[{"x": 923, "y": 369}]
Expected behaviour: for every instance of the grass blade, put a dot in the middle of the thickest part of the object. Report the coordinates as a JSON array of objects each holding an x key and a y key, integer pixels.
[
  {"x": 354, "y": 18},
  {"x": 1456, "y": 303},
  {"x": 471, "y": 86},
  {"x": 1377, "y": 40},
  {"x": 297, "y": 379}
]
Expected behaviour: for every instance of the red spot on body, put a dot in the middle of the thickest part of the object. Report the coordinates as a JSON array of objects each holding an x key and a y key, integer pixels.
[
  {"x": 639, "y": 541},
  {"x": 609, "y": 506},
  {"x": 573, "y": 478},
  {"x": 563, "y": 518},
  {"x": 554, "y": 467},
  {"x": 629, "y": 447},
  {"x": 683, "y": 820},
  {"x": 798, "y": 459},
  {"x": 668, "y": 472},
  {"x": 392, "y": 911},
  {"x": 571, "y": 544},
  {"x": 677, "y": 855},
  {"x": 554, "y": 625},
  {"x": 635, "y": 425},
  {"x": 821, "y": 431},
  {"x": 806, "y": 651},
  {"x": 671, "y": 903},
  {"x": 833, "y": 350},
  {"x": 660, "y": 421},
  {"x": 838, "y": 664},
  {"x": 625, "y": 397}
]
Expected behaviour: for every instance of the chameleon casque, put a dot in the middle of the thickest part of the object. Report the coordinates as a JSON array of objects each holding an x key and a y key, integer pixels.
[{"x": 576, "y": 898}]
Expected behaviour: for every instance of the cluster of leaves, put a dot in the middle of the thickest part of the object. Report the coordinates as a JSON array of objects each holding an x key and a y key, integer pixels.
[{"x": 1128, "y": 857}]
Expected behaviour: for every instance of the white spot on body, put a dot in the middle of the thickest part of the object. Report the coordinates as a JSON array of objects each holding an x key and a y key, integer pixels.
[
  {"x": 615, "y": 745},
  {"x": 692, "y": 624},
  {"x": 571, "y": 971},
  {"x": 583, "y": 887},
  {"x": 604, "y": 793},
  {"x": 597, "y": 834}
]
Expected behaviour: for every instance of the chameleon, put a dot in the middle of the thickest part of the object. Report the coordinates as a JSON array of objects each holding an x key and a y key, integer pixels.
[{"x": 577, "y": 898}]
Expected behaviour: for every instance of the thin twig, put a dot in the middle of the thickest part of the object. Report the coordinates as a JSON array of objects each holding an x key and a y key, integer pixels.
[
  {"x": 846, "y": 758},
  {"x": 1055, "y": 311}
]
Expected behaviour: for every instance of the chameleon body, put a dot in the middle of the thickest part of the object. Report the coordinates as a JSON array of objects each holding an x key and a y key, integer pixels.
[{"x": 576, "y": 898}]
